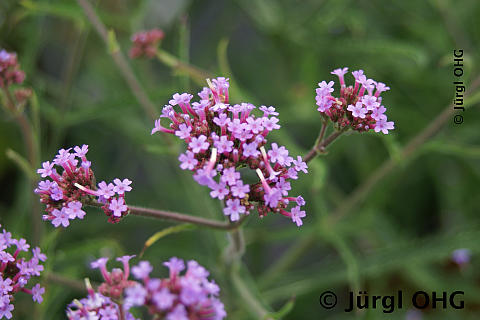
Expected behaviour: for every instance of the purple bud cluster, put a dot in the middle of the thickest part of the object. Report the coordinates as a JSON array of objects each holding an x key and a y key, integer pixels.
[
  {"x": 66, "y": 192},
  {"x": 145, "y": 43},
  {"x": 358, "y": 107},
  {"x": 224, "y": 141},
  {"x": 16, "y": 272},
  {"x": 10, "y": 72},
  {"x": 178, "y": 297}
]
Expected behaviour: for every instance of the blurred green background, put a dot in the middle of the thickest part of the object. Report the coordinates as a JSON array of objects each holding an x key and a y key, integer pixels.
[{"x": 399, "y": 236}]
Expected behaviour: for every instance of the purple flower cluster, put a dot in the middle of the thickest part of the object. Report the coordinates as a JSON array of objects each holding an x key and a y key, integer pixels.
[
  {"x": 178, "y": 297},
  {"x": 10, "y": 72},
  {"x": 95, "y": 307},
  {"x": 359, "y": 107},
  {"x": 224, "y": 141},
  {"x": 66, "y": 192},
  {"x": 16, "y": 272}
]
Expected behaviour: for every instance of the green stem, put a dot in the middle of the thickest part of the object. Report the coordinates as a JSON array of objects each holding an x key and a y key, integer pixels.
[{"x": 173, "y": 62}]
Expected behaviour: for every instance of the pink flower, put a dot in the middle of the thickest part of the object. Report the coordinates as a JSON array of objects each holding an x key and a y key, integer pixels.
[
  {"x": 187, "y": 160},
  {"x": 297, "y": 215},
  {"x": 233, "y": 209},
  {"x": 118, "y": 206},
  {"x": 384, "y": 126},
  {"x": 199, "y": 144},
  {"x": 358, "y": 111},
  {"x": 60, "y": 217},
  {"x": 122, "y": 186}
]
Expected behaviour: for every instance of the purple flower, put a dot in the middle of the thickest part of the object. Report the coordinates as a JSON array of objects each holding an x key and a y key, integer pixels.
[
  {"x": 358, "y": 111},
  {"x": 221, "y": 120},
  {"x": 122, "y": 186},
  {"x": 297, "y": 215},
  {"x": 6, "y": 310},
  {"x": 199, "y": 144},
  {"x": 183, "y": 131},
  {"x": 5, "y": 285},
  {"x": 378, "y": 113},
  {"x": 74, "y": 210},
  {"x": 300, "y": 201},
  {"x": 277, "y": 154},
  {"x": 300, "y": 165},
  {"x": 255, "y": 125},
  {"x": 106, "y": 190},
  {"x": 370, "y": 102},
  {"x": 270, "y": 111},
  {"x": 240, "y": 190},
  {"x": 38, "y": 254},
  {"x": 461, "y": 256},
  {"x": 270, "y": 124},
  {"x": 108, "y": 313},
  {"x": 325, "y": 87},
  {"x": 21, "y": 244},
  {"x": 37, "y": 292},
  {"x": 163, "y": 299},
  {"x": 223, "y": 144},
  {"x": 81, "y": 152},
  {"x": 230, "y": 176},
  {"x": 340, "y": 73},
  {"x": 219, "y": 190},
  {"x": 60, "y": 218},
  {"x": 187, "y": 160},
  {"x": 142, "y": 270},
  {"x": 384, "y": 126},
  {"x": 135, "y": 295},
  {"x": 46, "y": 169},
  {"x": 56, "y": 194},
  {"x": 233, "y": 209},
  {"x": 273, "y": 197},
  {"x": 250, "y": 150},
  {"x": 118, "y": 206},
  {"x": 179, "y": 313},
  {"x": 175, "y": 266}
]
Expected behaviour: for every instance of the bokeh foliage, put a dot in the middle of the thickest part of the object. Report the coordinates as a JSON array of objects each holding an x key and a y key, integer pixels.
[{"x": 400, "y": 237}]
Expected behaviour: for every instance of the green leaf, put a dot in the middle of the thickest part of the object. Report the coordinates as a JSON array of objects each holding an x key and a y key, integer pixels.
[
  {"x": 22, "y": 163},
  {"x": 113, "y": 46},
  {"x": 165, "y": 232}
]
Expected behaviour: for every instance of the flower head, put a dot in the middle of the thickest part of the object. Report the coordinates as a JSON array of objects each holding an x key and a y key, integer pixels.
[
  {"x": 145, "y": 43},
  {"x": 224, "y": 140},
  {"x": 17, "y": 272},
  {"x": 356, "y": 107},
  {"x": 70, "y": 183},
  {"x": 192, "y": 295}
]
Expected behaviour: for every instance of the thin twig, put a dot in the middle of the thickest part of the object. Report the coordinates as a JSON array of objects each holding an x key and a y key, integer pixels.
[
  {"x": 180, "y": 217},
  {"x": 65, "y": 281},
  {"x": 250, "y": 301},
  {"x": 198, "y": 75},
  {"x": 120, "y": 60},
  {"x": 32, "y": 155},
  {"x": 320, "y": 146}
]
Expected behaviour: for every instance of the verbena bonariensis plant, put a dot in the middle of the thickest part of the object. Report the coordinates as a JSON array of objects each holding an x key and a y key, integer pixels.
[
  {"x": 16, "y": 272},
  {"x": 178, "y": 297},
  {"x": 358, "y": 107},
  {"x": 223, "y": 140},
  {"x": 66, "y": 192}
]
